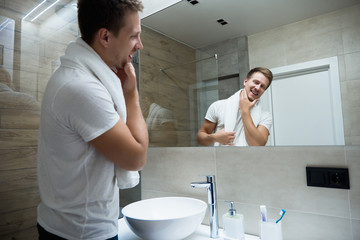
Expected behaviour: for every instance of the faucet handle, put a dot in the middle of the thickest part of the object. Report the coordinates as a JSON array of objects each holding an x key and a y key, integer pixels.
[{"x": 209, "y": 178}]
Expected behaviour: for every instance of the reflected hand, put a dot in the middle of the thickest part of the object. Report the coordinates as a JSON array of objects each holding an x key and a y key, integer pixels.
[
  {"x": 224, "y": 138},
  {"x": 245, "y": 104}
]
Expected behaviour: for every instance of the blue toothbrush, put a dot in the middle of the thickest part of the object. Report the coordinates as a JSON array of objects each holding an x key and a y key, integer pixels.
[{"x": 282, "y": 213}]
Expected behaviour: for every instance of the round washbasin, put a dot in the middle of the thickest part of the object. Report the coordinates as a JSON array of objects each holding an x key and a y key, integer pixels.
[{"x": 168, "y": 218}]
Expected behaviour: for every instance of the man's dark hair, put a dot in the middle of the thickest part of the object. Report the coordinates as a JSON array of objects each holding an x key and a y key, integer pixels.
[
  {"x": 109, "y": 14},
  {"x": 267, "y": 73}
]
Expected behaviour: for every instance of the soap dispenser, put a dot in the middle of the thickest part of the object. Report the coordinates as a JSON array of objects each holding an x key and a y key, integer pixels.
[{"x": 233, "y": 224}]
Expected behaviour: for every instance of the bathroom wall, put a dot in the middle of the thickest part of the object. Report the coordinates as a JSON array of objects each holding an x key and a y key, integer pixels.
[
  {"x": 273, "y": 176},
  {"x": 329, "y": 35},
  {"x": 37, "y": 47}
]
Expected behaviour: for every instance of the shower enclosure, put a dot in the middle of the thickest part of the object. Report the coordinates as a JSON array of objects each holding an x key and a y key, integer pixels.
[{"x": 175, "y": 99}]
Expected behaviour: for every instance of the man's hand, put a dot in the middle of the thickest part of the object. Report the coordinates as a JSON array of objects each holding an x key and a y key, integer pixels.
[
  {"x": 224, "y": 138},
  {"x": 244, "y": 104},
  {"x": 255, "y": 135},
  {"x": 126, "y": 143},
  {"x": 205, "y": 136},
  {"x": 127, "y": 77}
]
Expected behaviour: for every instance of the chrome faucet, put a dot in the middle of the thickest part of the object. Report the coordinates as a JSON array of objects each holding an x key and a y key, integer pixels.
[{"x": 212, "y": 202}]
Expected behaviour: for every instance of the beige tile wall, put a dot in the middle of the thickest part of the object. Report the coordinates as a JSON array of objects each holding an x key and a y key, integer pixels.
[
  {"x": 170, "y": 90},
  {"x": 36, "y": 48},
  {"x": 329, "y": 35},
  {"x": 274, "y": 176}
]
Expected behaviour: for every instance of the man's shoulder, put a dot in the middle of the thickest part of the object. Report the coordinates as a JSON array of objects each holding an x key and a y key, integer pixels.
[
  {"x": 72, "y": 86},
  {"x": 216, "y": 110},
  {"x": 219, "y": 103},
  {"x": 72, "y": 78}
]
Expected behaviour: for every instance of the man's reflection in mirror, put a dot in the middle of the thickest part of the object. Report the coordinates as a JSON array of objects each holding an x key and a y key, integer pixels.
[
  {"x": 159, "y": 121},
  {"x": 10, "y": 98},
  {"x": 239, "y": 120}
]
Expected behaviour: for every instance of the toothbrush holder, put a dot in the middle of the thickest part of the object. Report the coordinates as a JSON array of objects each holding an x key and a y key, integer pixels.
[{"x": 270, "y": 230}]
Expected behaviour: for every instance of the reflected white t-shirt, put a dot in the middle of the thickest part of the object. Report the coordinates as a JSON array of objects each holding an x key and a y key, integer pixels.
[{"x": 216, "y": 114}]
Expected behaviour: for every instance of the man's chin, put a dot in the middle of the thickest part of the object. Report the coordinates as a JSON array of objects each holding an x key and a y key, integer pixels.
[
  {"x": 122, "y": 64},
  {"x": 251, "y": 99}
]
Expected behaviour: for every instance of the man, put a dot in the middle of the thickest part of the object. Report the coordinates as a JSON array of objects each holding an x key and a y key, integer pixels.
[
  {"x": 239, "y": 120},
  {"x": 92, "y": 135},
  {"x": 11, "y": 99}
]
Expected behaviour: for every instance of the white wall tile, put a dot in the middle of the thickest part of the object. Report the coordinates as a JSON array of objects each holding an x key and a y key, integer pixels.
[
  {"x": 351, "y": 39},
  {"x": 274, "y": 176},
  {"x": 353, "y": 161},
  {"x": 352, "y": 63},
  {"x": 355, "y": 229},
  {"x": 173, "y": 169}
]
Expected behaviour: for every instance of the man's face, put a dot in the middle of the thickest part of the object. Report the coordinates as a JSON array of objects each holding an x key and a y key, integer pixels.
[
  {"x": 128, "y": 40},
  {"x": 256, "y": 85}
]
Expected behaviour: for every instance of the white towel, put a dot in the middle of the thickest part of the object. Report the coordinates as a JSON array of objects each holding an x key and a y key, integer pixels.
[
  {"x": 83, "y": 56},
  {"x": 233, "y": 121}
]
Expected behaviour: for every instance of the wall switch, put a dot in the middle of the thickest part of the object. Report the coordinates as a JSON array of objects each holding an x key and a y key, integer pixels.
[{"x": 328, "y": 177}]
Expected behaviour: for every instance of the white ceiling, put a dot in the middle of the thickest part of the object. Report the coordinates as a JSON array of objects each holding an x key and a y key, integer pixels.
[
  {"x": 153, "y": 6},
  {"x": 197, "y": 26}
]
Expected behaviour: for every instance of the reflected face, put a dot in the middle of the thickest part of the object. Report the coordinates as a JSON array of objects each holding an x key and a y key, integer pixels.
[
  {"x": 256, "y": 85},
  {"x": 125, "y": 44}
]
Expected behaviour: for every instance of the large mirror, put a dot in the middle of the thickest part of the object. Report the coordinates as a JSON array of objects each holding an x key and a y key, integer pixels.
[{"x": 197, "y": 52}]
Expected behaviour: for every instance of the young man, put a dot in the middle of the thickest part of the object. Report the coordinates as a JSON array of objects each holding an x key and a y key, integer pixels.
[
  {"x": 239, "y": 120},
  {"x": 92, "y": 136}
]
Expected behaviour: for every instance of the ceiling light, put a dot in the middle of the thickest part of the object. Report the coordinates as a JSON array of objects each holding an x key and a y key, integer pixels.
[
  {"x": 222, "y": 21},
  {"x": 44, "y": 10},
  {"x": 34, "y": 9}
]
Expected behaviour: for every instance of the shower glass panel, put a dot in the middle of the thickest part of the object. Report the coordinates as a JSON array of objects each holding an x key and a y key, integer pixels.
[{"x": 174, "y": 101}]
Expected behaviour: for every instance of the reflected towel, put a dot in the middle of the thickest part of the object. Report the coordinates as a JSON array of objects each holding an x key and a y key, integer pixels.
[
  {"x": 233, "y": 121},
  {"x": 81, "y": 54}
]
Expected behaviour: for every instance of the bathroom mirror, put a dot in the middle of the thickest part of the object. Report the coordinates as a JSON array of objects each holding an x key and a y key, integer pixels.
[{"x": 190, "y": 59}]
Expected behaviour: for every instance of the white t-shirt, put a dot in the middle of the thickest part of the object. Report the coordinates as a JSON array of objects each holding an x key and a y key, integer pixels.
[
  {"x": 216, "y": 113},
  {"x": 79, "y": 196}
]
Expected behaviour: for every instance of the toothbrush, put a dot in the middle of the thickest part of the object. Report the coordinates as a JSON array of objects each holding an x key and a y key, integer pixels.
[{"x": 282, "y": 213}]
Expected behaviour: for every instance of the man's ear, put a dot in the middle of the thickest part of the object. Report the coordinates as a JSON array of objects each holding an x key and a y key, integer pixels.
[
  {"x": 245, "y": 81},
  {"x": 103, "y": 36}
]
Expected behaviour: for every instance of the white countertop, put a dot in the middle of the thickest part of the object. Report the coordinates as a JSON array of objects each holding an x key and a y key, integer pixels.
[{"x": 202, "y": 233}]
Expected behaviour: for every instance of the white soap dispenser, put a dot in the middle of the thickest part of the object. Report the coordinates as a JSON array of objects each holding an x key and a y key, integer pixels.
[{"x": 233, "y": 224}]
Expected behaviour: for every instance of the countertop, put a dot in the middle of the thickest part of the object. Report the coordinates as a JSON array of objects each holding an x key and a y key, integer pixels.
[{"x": 202, "y": 233}]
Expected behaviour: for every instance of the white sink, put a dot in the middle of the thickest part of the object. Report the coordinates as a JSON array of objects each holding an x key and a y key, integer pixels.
[
  {"x": 201, "y": 233},
  {"x": 168, "y": 218}
]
